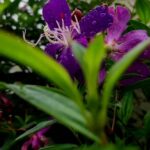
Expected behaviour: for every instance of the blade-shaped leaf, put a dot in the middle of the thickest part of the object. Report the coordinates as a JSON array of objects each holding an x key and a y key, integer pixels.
[
  {"x": 16, "y": 49},
  {"x": 138, "y": 25},
  {"x": 90, "y": 60},
  {"x": 126, "y": 109},
  {"x": 143, "y": 10},
  {"x": 114, "y": 75},
  {"x": 106, "y": 147},
  {"x": 60, "y": 147},
  {"x": 79, "y": 52},
  {"x": 38, "y": 127},
  {"x": 61, "y": 107},
  {"x": 147, "y": 124},
  {"x": 93, "y": 59}
]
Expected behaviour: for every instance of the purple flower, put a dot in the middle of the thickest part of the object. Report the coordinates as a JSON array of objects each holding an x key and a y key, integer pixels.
[
  {"x": 36, "y": 141},
  {"x": 61, "y": 30},
  {"x": 6, "y": 107},
  {"x": 122, "y": 43},
  {"x": 102, "y": 75}
]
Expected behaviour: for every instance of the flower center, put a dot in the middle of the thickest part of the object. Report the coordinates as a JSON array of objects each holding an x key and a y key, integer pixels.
[{"x": 62, "y": 34}]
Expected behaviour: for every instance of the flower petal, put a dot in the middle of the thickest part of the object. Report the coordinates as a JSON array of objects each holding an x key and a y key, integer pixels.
[
  {"x": 121, "y": 16},
  {"x": 81, "y": 40},
  {"x": 36, "y": 143},
  {"x": 146, "y": 54},
  {"x": 42, "y": 131},
  {"x": 131, "y": 39},
  {"x": 131, "y": 81},
  {"x": 140, "y": 69},
  {"x": 26, "y": 145},
  {"x": 116, "y": 56},
  {"x": 56, "y": 10},
  {"x": 53, "y": 49},
  {"x": 102, "y": 75},
  {"x": 95, "y": 21},
  {"x": 68, "y": 61}
]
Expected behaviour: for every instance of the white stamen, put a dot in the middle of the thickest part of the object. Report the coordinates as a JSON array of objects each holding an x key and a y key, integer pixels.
[
  {"x": 31, "y": 43},
  {"x": 63, "y": 24},
  {"x": 77, "y": 25},
  {"x": 60, "y": 35}
]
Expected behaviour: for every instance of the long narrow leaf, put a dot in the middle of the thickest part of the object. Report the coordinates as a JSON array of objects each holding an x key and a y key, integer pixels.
[
  {"x": 62, "y": 108},
  {"x": 90, "y": 60},
  {"x": 38, "y": 127},
  {"x": 60, "y": 147},
  {"x": 143, "y": 10},
  {"x": 16, "y": 49},
  {"x": 93, "y": 59}
]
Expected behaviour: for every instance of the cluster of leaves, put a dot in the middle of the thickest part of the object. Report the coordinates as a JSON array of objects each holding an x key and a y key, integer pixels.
[{"x": 105, "y": 115}]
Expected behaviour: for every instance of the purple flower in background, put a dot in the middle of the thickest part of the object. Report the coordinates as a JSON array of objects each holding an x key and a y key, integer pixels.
[
  {"x": 122, "y": 43},
  {"x": 36, "y": 141},
  {"x": 61, "y": 30},
  {"x": 102, "y": 75}
]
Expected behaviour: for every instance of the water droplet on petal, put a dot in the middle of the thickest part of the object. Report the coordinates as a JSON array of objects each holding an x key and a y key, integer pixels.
[
  {"x": 88, "y": 18},
  {"x": 94, "y": 22},
  {"x": 102, "y": 14},
  {"x": 110, "y": 24}
]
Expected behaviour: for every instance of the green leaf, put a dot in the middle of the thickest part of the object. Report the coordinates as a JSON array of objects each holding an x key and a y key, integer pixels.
[
  {"x": 143, "y": 10},
  {"x": 126, "y": 109},
  {"x": 114, "y": 75},
  {"x": 4, "y": 5},
  {"x": 90, "y": 60},
  {"x": 106, "y": 147},
  {"x": 137, "y": 25},
  {"x": 2, "y": 87},
  {"x": 62, "y": 108},
  {"x": 93, "y": 59},
  {"x": 147, "y": 125},
  {"x": 38, "y": 127},
  {"x": 60, "y": 147},
  {"x": 16, "y": 49},
  {"x": 79, "y": 52}
]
